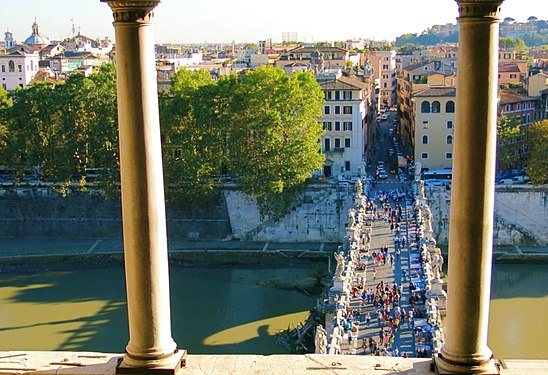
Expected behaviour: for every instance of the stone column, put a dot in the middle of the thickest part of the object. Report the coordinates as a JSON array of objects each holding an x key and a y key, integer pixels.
[
  {"x": 150, "y": 346},
  {"x": 472, "y": 199}
]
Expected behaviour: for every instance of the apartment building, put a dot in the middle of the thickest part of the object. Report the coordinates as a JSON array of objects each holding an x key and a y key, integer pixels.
[
  {"x": 434, "y": 111},
  {"x": 345, "y": 115},
  {"x": 387, "y": 77}
]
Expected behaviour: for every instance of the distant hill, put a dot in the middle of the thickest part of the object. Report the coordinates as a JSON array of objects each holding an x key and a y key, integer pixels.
[{"x": 534, "y": 32}]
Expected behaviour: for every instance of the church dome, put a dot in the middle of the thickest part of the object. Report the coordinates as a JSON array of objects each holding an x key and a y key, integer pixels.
[{"x": 36, "y": 38}]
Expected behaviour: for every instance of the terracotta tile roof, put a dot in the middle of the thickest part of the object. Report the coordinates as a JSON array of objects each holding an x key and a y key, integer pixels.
[
  {"x": 506, "y": 98},
  {"x": 436, "y": 91}
]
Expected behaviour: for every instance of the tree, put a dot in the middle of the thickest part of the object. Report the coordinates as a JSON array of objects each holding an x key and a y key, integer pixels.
[
  {"x": 274, "y": 133},
  {"x": 5, "y": 104},
  {"x": 261, "y": 127},
  {"x": 532, "y": 19},
  {"x": 516, "y": 44},
  {"x": 508, "y": 20},
  {"x": 508, "y": 131},
  {"x": 191, "y": 137},
  {"x": 66, "y": 128},
  {"x": 538, "y": 158}
]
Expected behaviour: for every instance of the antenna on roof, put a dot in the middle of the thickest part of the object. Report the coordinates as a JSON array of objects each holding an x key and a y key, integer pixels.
[{"x": 72, "y": 31}]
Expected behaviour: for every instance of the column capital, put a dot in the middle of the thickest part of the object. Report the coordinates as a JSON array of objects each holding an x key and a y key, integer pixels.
[
  {"x": 479, "y": 8},
  {"x": 131, "y": 10}
]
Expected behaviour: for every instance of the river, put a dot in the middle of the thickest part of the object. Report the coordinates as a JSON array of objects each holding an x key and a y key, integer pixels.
[{"x": 223, "y": 310}]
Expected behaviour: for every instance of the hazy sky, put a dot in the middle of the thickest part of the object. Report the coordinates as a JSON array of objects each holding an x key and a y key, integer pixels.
[{"x": 251, "y": 20}]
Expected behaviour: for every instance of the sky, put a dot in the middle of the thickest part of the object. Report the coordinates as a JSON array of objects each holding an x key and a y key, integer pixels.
[{"x": 222, "y": 21}]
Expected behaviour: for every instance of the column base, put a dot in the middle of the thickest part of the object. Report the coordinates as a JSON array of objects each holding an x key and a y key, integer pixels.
[
  {"x": 445, "y": 367},
  {"x": 170, "y": 366}
]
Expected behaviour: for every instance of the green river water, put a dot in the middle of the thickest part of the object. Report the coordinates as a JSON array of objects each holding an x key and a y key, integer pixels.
[{"x": 223, "y": 310}]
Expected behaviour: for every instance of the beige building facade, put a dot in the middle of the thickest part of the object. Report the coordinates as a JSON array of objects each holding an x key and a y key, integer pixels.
[{"x": 434, "y": 126}]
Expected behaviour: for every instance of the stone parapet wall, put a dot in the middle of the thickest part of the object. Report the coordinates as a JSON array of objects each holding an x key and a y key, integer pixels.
[
  {"x": 521, "y": 213},
  {"x": 320, "y": 215},
  {"x": 92, "y": 216}
]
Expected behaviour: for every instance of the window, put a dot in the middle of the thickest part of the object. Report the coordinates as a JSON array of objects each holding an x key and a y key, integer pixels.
[
  {"x": 347, "y": 142},
  {"x": 337, "y": 143},
  {"x": 385, "y": 85},
  {"x": 513, "y": 76},
  {"x": 346, "y": 165},
  {"x": 449, "y": 124},
  {"x": 327, "y": 125},
  {"x": 4, "y": 86},
  {"x": 425, "y": 107},
  {"x": 11, "y": 66},
  {"x": 337, "y": 95},
  {"x": 337, "y": 126},
  {"x": 337, "y": 109},
  {"x": 507, "y": 108},
  {"x": 450, "y": 107},
  {"x": 435, "y": 107},
  {"x": 449, "y": 140},
  {"x": 3, "y": 68},
  {"x": 425, "y": 124},
  {"x": 347, "y": 95},
  {"x": 328, "y": 95},
  {"x": 424, "y": 139},
  {"x": 20, "y": 68},
  {"x": 326, "y": 143},
  {"x": 326, "y": 110},
  {"x": 347, "y": 110},
  {"x": 385, "y": 67},
  {"x": 347, "y": 126},
  {"x": 424, "y": 155},
  {"x": 449, "y": 155},
  {"x": 519, "y": 106}
]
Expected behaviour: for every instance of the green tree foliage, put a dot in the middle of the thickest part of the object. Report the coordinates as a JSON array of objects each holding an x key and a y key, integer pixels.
[
  {"x": 538, "y": 158},
  {"x": 516, "y": 44},
  {"x": 192, "y": 141},
  {"x": 66, "y": 128},
  {"x": 536, "y": 39},
  {"x": 261, "y": 127},
  {"x": 273, "y": 140},
  {"x": 508, "y": 132},
  {"x": 5, "y": 104}
]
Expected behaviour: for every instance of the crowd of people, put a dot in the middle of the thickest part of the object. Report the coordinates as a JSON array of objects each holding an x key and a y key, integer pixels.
[{"x": 382, "y": 307}]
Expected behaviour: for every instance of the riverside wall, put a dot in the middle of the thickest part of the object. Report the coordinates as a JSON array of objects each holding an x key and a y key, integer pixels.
[
  {"x": 521, "y": 214},
  {"x": 93, "y": 216}
]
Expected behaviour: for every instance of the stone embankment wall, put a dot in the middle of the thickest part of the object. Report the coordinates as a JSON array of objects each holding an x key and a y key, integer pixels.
[
  {"x": 320, "y": 215},
  {"x": 521, "y": 213},
  {"x": 89, "y": 216}
]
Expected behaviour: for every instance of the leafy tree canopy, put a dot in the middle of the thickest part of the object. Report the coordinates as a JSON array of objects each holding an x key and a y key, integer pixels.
[
  {"x": 508, "y": 131},
  {"x": 538, "y": 158},
  {"x": 66, "y": 128},
  {"x": 261, "y": 126}
]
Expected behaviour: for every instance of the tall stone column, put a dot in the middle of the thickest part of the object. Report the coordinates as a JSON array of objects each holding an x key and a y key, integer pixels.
[
  {"x": 472, "y": 199},
  {"x": 150, "y": 346}
]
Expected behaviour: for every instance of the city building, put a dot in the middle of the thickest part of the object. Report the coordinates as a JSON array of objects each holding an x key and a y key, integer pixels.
[
  {"x": 332, "y": 57},
  {"x": 384, "y": 69},
  {"x": 36, "y": 38},
  {"x": 434, "y": 126},
  {"x": 511, "y": 74},
  {"x": 517, "y": 106},
  {"x": 17, "y": 69},
  {"x": 345, "y": 115}
]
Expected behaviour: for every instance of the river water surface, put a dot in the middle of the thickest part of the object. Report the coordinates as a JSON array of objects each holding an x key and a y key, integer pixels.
[{"x": 223, "y": 310}]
